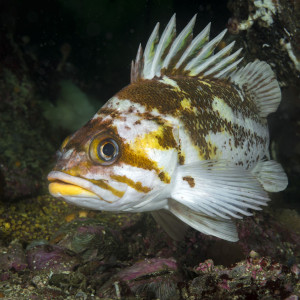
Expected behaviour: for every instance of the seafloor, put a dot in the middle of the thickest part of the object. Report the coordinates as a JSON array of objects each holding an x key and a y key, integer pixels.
[{"x": 59, "y": 61}]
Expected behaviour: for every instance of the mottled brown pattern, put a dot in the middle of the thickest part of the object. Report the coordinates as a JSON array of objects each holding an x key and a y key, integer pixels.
[
  {"x": 200, "y": 118},
  {"x": 163, "y": 177},
  {"x": 191, "y": 103},
  {"x": 190, "y": 180},
  {"x": 181, "y": 159},
  {"x": 167, "y": 140},
  {"x": 152, "y": 94},
  {"x": 108, "y": 111},
  {"x": 80, "y": 142},
  {"x": 150, "y": 117}
]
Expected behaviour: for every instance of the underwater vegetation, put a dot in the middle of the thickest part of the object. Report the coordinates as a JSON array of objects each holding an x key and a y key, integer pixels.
[{"x": 52, "y": 250}]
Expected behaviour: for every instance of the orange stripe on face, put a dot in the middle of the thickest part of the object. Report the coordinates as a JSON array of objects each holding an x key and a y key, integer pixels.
[
  {"x": 107, "y": 187},
  {"x": 135, "y": 185}
]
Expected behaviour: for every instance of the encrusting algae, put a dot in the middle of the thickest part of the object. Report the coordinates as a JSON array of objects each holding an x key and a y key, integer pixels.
[
  {"x": 32, "y": 219},
  {"x": 38, "y": 218}
]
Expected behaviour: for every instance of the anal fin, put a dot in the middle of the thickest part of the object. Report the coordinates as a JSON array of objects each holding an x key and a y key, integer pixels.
[{"x": 271, "y": 175}]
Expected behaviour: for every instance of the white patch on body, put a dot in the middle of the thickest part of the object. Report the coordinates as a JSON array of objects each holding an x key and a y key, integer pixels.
[
  {"x": 166, "y": 159},
  {"x": 130, "y": 130},
  {"x": 137, "y": 201},
  {"x": 221, "y": 139},
  {"x": 124, "y": 105},
  {"x": 232, "y": 153}
]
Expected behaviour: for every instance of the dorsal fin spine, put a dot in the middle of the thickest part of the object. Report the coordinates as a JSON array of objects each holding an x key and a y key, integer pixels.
[
  {"x": 195, "y": 45},
  {"x": 194, "y": 57},
  {"x": 223, "y": 73},
  {"x": 179, "y": 42},
  {"x": 183, "y": 56},
  {"x": 136, "y": 67},
  {"x": 164, "y": 42},
  {"x": 150, "y": 51},
  {"x": 205, "y": 52},
  {"x": 214, "y": 58},
  {"x": 224, "y": 63}
]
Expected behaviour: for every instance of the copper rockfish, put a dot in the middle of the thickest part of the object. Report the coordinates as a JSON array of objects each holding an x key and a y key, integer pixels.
[{"x": 187, "y": 139}]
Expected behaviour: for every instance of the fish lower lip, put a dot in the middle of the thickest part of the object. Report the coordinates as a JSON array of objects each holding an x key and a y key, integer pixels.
[
  {"x": 66, "y": 189},
  {"x": 63, "y": 185}
]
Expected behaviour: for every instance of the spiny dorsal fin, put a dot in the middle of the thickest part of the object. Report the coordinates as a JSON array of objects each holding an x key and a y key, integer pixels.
[
  {"x": 180, "y": 42},
  {"x": 183, "y": 55},
  {"x": 166, "y": 39}
]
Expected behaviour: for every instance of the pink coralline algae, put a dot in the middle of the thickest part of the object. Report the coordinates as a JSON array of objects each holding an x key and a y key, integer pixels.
[
  {"x": 252, "y": 278},
  {"x": 51, "y": 257},
  {"x": 205, "y": 267},
  {"x": 154, "y": 278}
]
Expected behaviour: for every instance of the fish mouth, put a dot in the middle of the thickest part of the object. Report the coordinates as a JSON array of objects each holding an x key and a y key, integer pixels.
[{"x": 65, "y": 185}]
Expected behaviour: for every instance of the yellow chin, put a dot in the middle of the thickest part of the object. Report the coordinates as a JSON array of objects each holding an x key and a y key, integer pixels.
[{"x": 60, "y": 189}]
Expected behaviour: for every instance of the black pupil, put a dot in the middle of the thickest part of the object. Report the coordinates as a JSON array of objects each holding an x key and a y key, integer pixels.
[{"x": 108, "y": 149}]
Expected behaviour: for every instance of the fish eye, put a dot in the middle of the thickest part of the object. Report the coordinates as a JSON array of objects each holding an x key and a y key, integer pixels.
[
  {"x": 108, "y": 149},
  {"x": 104, "y": 150}
]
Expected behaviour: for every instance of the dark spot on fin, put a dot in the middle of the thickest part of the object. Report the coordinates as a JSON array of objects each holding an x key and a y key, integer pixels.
[{"x": 190, "y": 180}]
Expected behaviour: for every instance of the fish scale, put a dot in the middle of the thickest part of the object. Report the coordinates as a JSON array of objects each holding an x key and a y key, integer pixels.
[{"x": 186, "y": 140}]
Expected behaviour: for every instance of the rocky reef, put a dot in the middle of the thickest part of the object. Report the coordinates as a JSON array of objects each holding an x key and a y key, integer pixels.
[{"x": 107, "y": 256}]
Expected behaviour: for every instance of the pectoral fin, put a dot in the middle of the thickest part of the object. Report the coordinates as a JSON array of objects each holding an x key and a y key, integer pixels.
[
  {"x": 207, "y": 194},
  {"x": 218, "y": 189}
]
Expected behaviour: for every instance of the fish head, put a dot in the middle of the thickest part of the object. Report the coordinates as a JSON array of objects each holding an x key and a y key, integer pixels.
[{"x": 120, "y": 160}]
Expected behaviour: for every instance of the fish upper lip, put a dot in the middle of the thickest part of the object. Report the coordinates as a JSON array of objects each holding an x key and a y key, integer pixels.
[{"x": 57, "y": 176}]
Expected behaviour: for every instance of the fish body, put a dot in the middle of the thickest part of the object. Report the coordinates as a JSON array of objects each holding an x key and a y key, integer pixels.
[{"x": 187, "y": 140}]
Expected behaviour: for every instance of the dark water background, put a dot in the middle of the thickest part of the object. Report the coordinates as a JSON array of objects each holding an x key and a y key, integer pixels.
[{"x": 103, "y": 35}]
